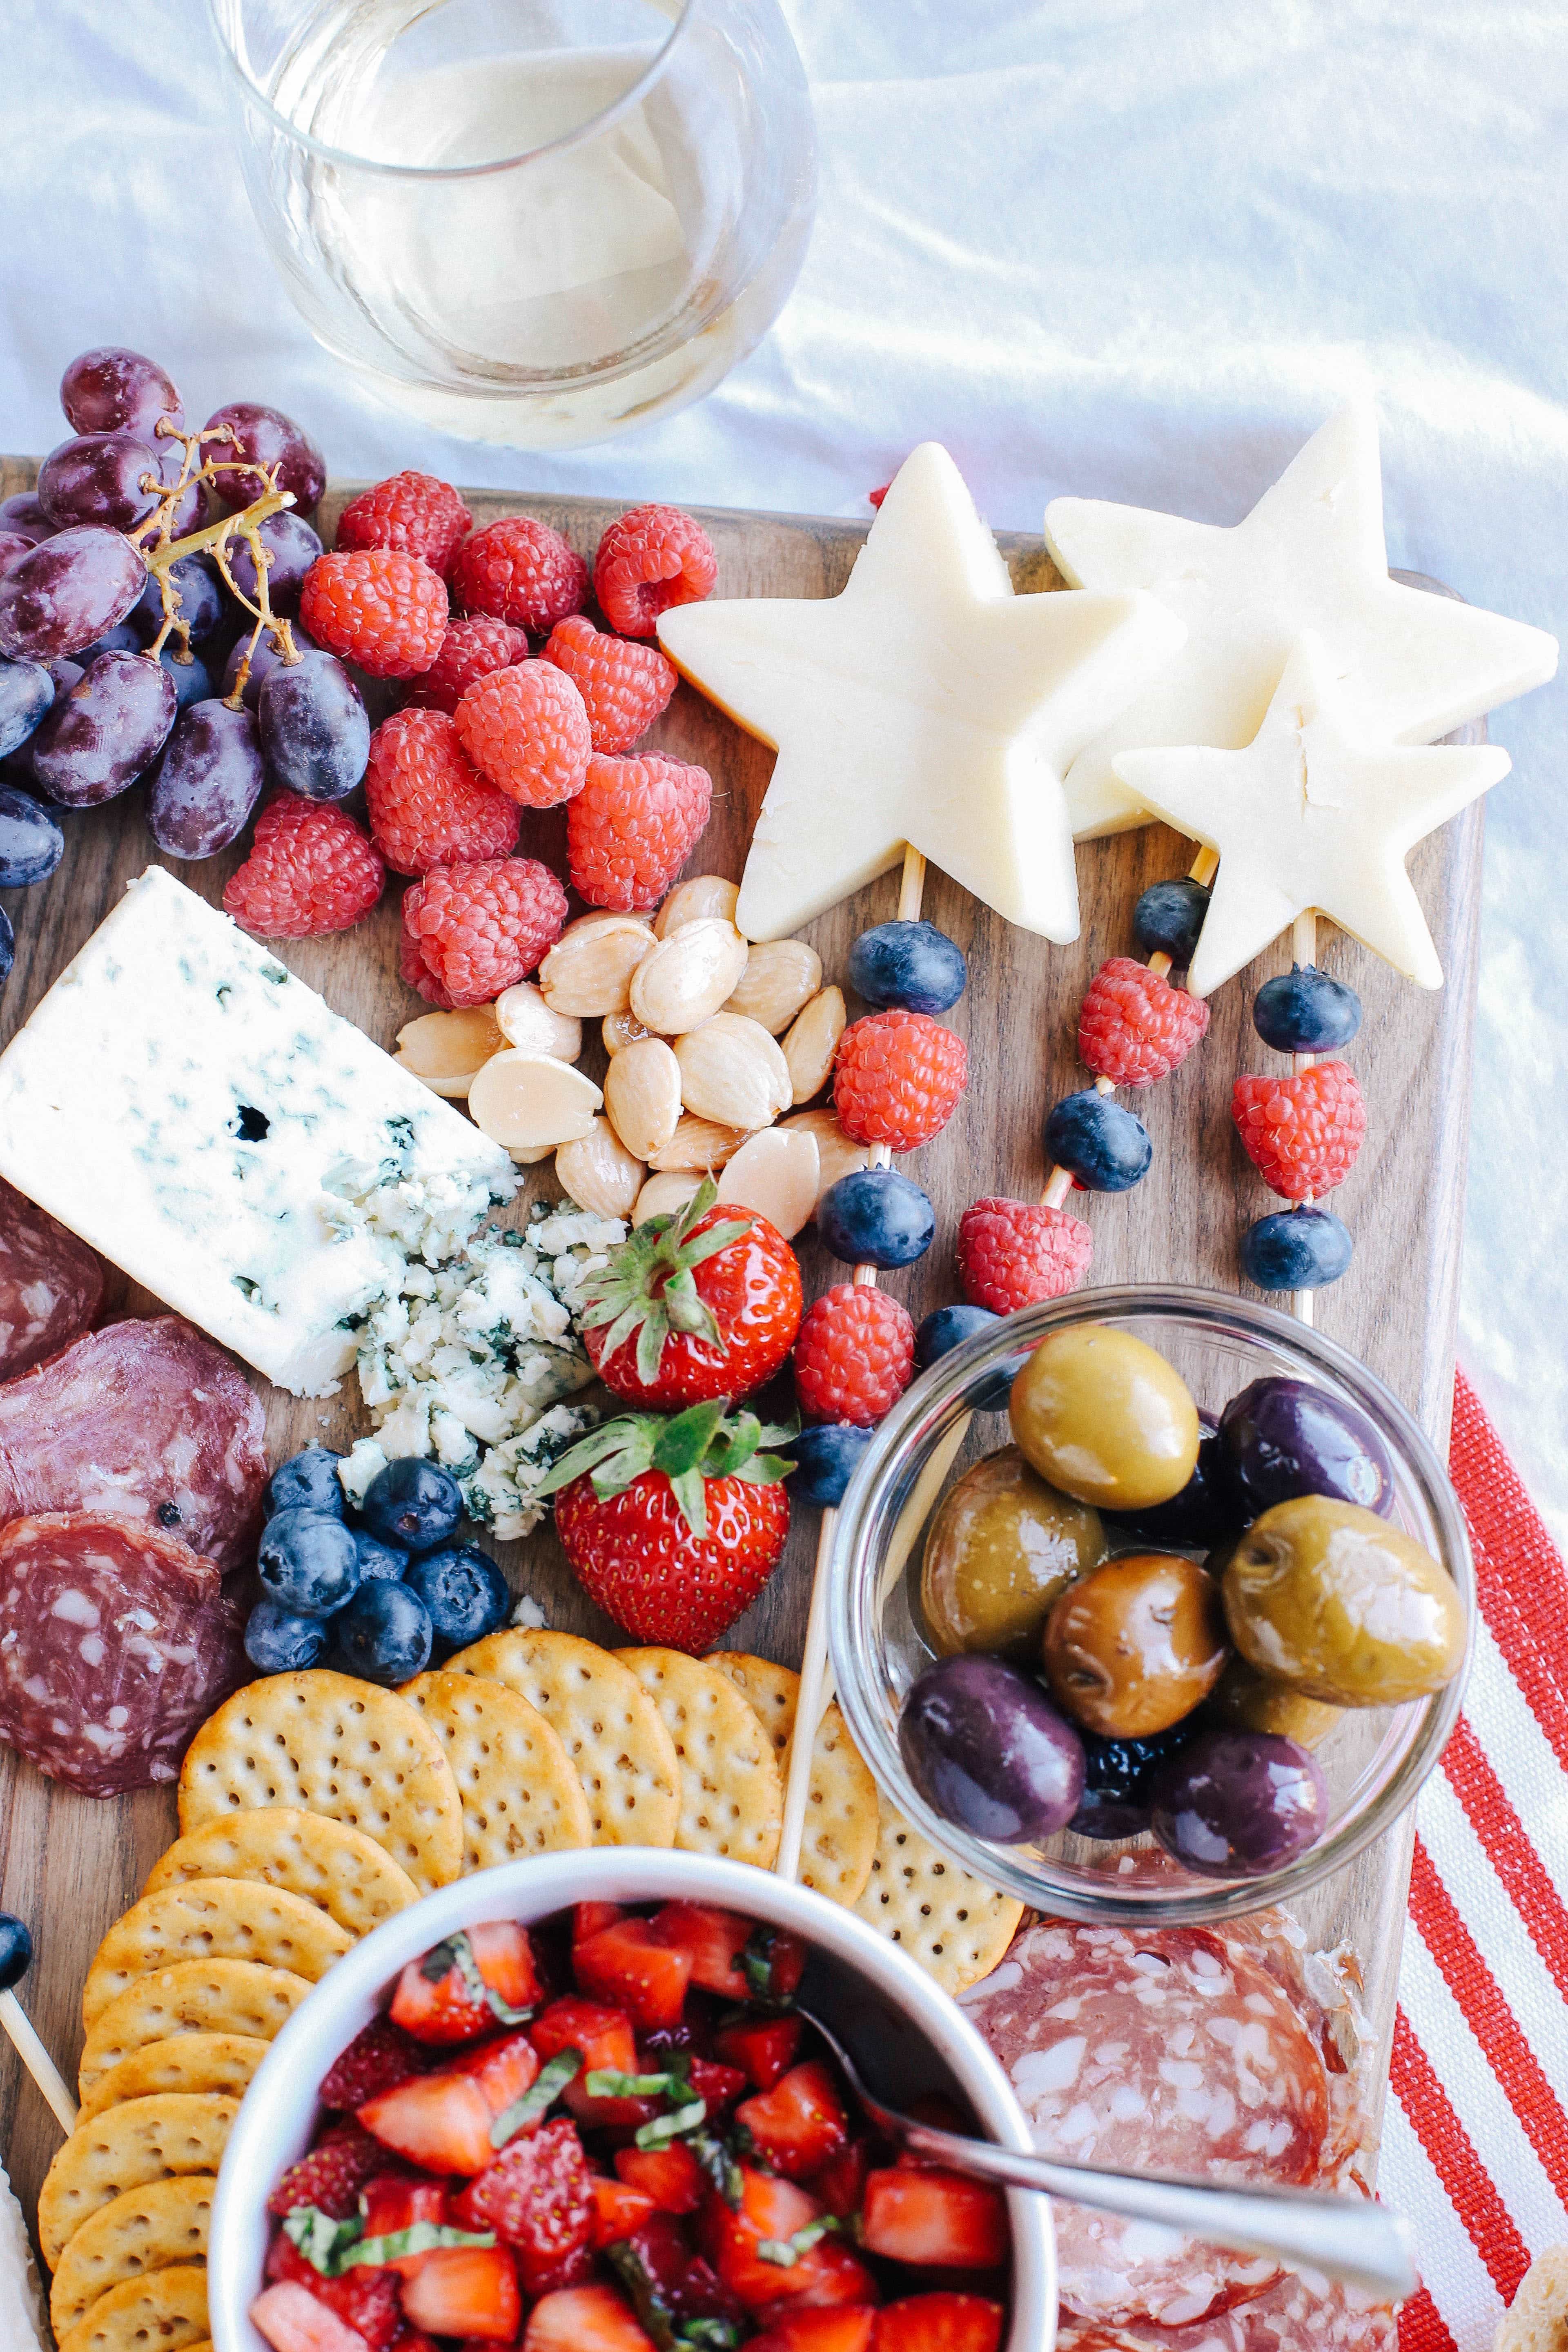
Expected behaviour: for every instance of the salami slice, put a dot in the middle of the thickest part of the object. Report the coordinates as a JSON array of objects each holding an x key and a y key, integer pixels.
[
  {"x": 116, "y": 1642},
  {"x": 148, "y": 1420},
  {"x": 1294, "y": 2315},
  {"x": 51, "y": 1284}
]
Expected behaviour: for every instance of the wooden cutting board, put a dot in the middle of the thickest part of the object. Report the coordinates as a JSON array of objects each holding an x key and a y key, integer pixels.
[{"x": 70, "y": 1865}]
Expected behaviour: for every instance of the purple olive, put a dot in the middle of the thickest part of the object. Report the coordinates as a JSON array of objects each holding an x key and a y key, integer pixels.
[
  {"x": 99, "y": 477},
  {"x": 98, "y": 738},
  {"x": 207, "y": 781},
  {"x": 67, "y": 591},
  {"x": 987, "y": 1750},
  {"x": 1236, "y": 1803},
  {"x": 293, "y": 547},
  {"x": 1281, "y": 1438},
  {"x": 266, "y": 437},
  {"x": 115, "y": 390}
]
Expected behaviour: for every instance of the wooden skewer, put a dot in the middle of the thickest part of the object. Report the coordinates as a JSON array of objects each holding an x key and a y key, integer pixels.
[
  {"x": 37, "y": 2060},
  {"x": 1303, "y": 951}
]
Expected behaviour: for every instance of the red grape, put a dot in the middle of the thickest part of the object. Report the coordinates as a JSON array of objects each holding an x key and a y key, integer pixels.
[
  {"x": 192, "y": 679},
  {"x": 98, "y": 738},
  {"x": 199, "y": 603},
  {"x": 65, "y": 594},
  {"x": 314, "y": 728},
  {"x": 116, "y": 390},
  {"x": 23, "y": 513},
  {"x": 14, "y": 545},
  {"x": 268, "y": 438},
  {"x": 261, "y": 661},
  {"x": 293, "y": 547},
  {"x": 98, "y": 477},
  {"x": 206, "y": 783},
  {"x": 26, "y": 691}
]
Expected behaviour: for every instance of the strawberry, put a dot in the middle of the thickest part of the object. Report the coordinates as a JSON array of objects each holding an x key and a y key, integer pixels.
[
  {"x": 442, "y": 2121},
  {"x": 716, "y": 2086},
  {"x": 769, "y": 2252},
  {"x": 671, "y": 2176},
  {"x": 841, "y": 2183},
  {"x": 800, "y": 2125},
  {"x": 291, "y": 2319},
  {"x": 438, "y": 1999},
  {"x": 927, "y": 2216},
  {"x": 538, "y": 2199},
  {"x": 332, "y": 2176},
  {"x": 673, "y": 1526},
  {"x": 765, "y": 2048},
  {"x": 376, "y": 2060},
  {"x": 936, "y": 2323},
  {"x": 393, "y": 2202},
  {"x": 673, "y": 2291},
  {"x": 713, "y": 1941},
  {"x": 585, "y": 2319},
  {"x": 620, "y": 2210},
  {"x": 365, "y": 2300},
  {"x": 587, "y": 1918},
  {"x": 629, "y": 1966},
  {"x": 704, "y": 1304},
  {"x": 466, "y": 2291},
  {"x": 843, "y": 2327},
  {"x": 604, "y": 2040}
]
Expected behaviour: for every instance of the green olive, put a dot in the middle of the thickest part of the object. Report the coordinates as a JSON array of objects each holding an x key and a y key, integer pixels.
[
  {"x": 1340, "y": 1605},
  {"x": 1002, "y": 1547},
  {"x": 1248, "y": 1701},
  {"x": 1104, "y": 1418},
  {"x": 1135, "y": 1645}
]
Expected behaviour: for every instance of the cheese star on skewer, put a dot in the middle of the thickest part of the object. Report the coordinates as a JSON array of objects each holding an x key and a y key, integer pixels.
[
  {"x": 1312, "y": 817},
  {"x": 925, "y": 704},
  {"x": 1310, "y": 555}
]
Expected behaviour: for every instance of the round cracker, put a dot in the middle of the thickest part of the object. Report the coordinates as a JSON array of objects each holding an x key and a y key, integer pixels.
[
  {"x": 192, "y": 1997},
  {"x": 841, "y": 1815},
  {"x": 160, "y": 2313},
  {"x": 520, "y": 1789},
  {"x": 146, "y": 2140},
  {"x": 731, "y": 1797},
  {"x": 604, "y": 1718},
  {"x": 326, "y": 1743},
  {"x": 341, "y": 1870},
  {"x": 190, "y": 2061},
  {"x": 212, "y": 1918},
  {"x": 154, "y": 2227},
  {"x": 954, "y": 1926}
]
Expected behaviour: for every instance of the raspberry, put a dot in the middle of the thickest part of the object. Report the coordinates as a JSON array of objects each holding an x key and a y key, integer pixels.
[
  {"x": 376, "y": 2060},
  {"x": 378, "y": 607},
  {"x": 1302, "y": 1133},
  {"x": 412, "y": 511},
  {"x": 414, "y": 972},
  {"x": 855, "y": 1355},
  {"x": 623, "y": 685},
  {"x": 653, "y": 557},
  {"x": 469, "y": 650},
  {"x": 310, "y": 870},
  {"x": 426, "y": 805},
  {"x": 521, "y": 570},
  {"x": 632, "y": 827},
  {"x": 483, "y": 925},
  {"x": 332, "y": 2176},
  {"x": 537, "y": 2196},
  {"x": 1135, "y": 1027},
  {"x": 526, "y": 729},
  {"x": 1011, "y": 1253},
  {"x": 896, "y": 1078}
]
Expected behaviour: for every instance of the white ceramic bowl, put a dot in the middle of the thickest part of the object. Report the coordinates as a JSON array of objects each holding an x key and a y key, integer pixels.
[{"x": 279, "y": 2110}]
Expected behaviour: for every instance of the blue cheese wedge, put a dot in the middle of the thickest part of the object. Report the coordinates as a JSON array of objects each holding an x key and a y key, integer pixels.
[{"x": 206, "y": 1122}]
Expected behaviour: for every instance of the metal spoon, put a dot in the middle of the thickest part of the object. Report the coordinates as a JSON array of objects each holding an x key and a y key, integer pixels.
[{"x": 1346, "y": 2238}]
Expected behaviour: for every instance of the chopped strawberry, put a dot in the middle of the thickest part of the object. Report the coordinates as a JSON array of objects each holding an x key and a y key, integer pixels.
[
  {"x": 503, "y": 2069},
  {"x": 331, "y": 2175},
  {"x": 671, "y": 2176},
  {"x": 585, "y": 2319},
  {"x": 717, "y": 2087},
  {"x": 631, "y": 1966},
  {"x": 773, "y": 2212},
  {"x": 575, "y": 2269},
  {"x": 841, "y": 2183},
  {"x": 442, "y": 2121},
  {"x": 538, "y": 2199},
  {"x": 376, "y": 2060},
  {"x": 763, "y": 2047},
  {"x": 936, "y": 2323},
  {"x": 413, "y": 2339},
  {"x": 393, "y": 2202},
  {"x": 927, "y": 2216},
  {"x": 842, "y": 2327},
  {"x": 292, "y": 2320},
  {"x": 365, "y": 2300},
  {"x": 605, "y": 2038},
  {"x": 671, "y": 2288},
  {"x": 831, "y": 2274},
  {"x": 800, "y": 2125},
  {"x": 620, "y": 2210},
  {"x": 587, "y": 1918},
  {"x": 466, "y": 2291},
  {"x": 441, "y": 2008},
  {"x": 712, "y": 1940}
]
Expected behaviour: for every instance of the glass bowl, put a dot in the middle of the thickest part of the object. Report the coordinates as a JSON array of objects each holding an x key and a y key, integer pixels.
[{"x": 1375, "y": 1758}]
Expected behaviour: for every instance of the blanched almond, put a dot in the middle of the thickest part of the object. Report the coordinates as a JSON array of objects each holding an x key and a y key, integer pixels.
[
  {"x": 688, "y": 976},
  {"x": 689, "y": 902},
  {"x": 619, "y": 1029},
  {"x": 588, "y": 971},
  {"x": 527, "y": 1022},
  {"x": 599, "y": 1173},
  {"x": 528, "y": 1101},
  {"x": 642, "y": 1095},
  {"x": 775, "y": 1174},
  {"x": 532, "y": 1156},
  {"x": 701, "y": 1144},
  {"x": 813, "y": 1042},
  {"x": 733, "y": 1071},
  {"x": 780, "y": 976},
  {"x": 836, "y": 1153},
  {"x": 663, "y": 1193},
  {"x": 446, "y": 1049}
]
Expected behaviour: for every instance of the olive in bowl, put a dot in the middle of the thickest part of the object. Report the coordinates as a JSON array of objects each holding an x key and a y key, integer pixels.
[
  {"x": 1103, "y": 1417},
  {"x": 1135, "y": 1645},
  {"x": 986, "y": 1749},
  {"x": 1234, "y": 1804},
  {"x": 1279, "y": 1438},
  {"x": 1001, "y": 1548},
  {"x": 1245, "y": 1700}
]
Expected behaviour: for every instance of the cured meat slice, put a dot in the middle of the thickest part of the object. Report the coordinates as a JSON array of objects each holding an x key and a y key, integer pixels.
[
  {"x": 116, "y": 1640},
  {"x": 51, "y": 1284},
  {"x": 148, "y": 1420},
  {"x": 1294, "y": 2315},
  {"x": 1171, "y": 2050}
]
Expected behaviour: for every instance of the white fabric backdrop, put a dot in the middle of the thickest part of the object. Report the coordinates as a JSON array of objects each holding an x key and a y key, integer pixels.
[{"x": 1129, "y": 248}]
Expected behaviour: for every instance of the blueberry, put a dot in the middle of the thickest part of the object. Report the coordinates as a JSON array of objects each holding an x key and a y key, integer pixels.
[
  {"x": 465, "y": 1593},
  {"x": 376, "y": 1558},
  {"x": 279, "y": 1643},
  {"x": 826, "y": 1455},
  {"x": 1168, "y": 918},
  {"x": 1305, "y": 1011},
  {"x": 15, "y": 1950},
  {"x": 26, "y": 692},
  {"x": 1116, "y": 1781},
  {"x": 947, "y": 1328},
  {"x": 912, "y": 965},
  {"x": 192, "y": 679},
  {"x": 413, "y": 1504},
  {"x": 31, "y": 843},
  {"x": 307, "y": 1482},
  {"x": 385, "y": 1633},
  {"x": 1296, "y": 1249},
  {"x": 1105, "y": 1147},
  {"x": 307, "y": 1563},
  {"x": 874, "y": 1216}
]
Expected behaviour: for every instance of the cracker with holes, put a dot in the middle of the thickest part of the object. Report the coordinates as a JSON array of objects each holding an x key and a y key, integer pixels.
[
  {"x": 841, "y": 1814},
  {"x": 520, "y": 1789},
  {"x": 341, "y": 1871},
  {"x": 731, "y": 1797},
  {"x": 324, "y": 1743},
  {"x": 148, "y": 2139},
  {"x": 192, "y": 1997},
  {"x": 608, "y": 1725},
  {"x": 956, "y": 1927},
  {"x": 161, "y": 2314},
  {"x": 189, "y": 2062},
  {"x": 155, "y": 2227},
  {"x": 212, "y": 1918}
]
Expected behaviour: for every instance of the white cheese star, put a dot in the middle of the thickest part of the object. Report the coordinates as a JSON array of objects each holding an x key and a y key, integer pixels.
[
  {"x": 1310, "y": 816},
  {"x": 924, "y": 704},
  {"x": 1310, "y": 555}
]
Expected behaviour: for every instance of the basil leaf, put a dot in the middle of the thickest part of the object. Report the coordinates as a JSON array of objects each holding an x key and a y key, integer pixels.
[
  {"x": 671, "y": 2126},
  {"x": 419, "y": 2238},
  {"x": 719, "y": 2163},
  {"x": 483, "y": 1995},
  {"x": 607, "y": 2083},
  {"x": 788, "y": 2251},
  {"x": 711, "y": 2334},
  {"x": 322, "y": 2240},
  {"x": 548, "y": 2083}
]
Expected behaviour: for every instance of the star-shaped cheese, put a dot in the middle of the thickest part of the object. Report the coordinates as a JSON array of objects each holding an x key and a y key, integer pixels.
[
  {"x": 926, "y": 704},
  {"x": 1310, "y": 555},
  {"x": 1311, "y": 815}
]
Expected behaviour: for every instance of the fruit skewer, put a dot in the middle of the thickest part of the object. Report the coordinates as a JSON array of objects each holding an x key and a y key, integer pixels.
[{"x": 16, "y": 1959}]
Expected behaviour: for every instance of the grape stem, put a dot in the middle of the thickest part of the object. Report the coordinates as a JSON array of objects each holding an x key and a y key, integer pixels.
[{"x": 167, "y": 550}]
